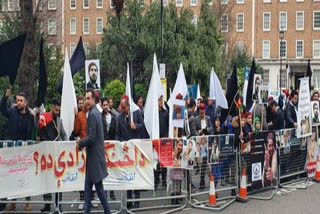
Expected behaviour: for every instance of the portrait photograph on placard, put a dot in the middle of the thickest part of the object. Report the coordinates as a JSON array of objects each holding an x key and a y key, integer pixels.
[
  {"x": 92, "y": 68},
  {"x": 188, "y": 154},
  {"x": 315, "y": 112},
  {"x": 177, "y": 148},
  {"x": 256, "y": 87},
  {"x": 213, "y": 149},
  {"x": 264, "y": 94},
  {"x": 312, "y": 153}
]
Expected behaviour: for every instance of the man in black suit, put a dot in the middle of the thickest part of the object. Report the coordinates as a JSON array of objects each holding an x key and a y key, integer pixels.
[
  {"x": 110, "y": 123},
  {"x": 291, "y": 111},
  {"x": 202, "y": 124},
  {"x": 128, "y": 130},
  {"x": 96, "y": 169},
  {"x": 277, "y": 122}
]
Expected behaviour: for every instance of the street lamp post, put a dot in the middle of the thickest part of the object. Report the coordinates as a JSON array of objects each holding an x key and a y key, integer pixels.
[{"x": 281, "y": 35}]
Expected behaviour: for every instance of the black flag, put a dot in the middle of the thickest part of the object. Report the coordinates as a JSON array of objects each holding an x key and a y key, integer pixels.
[
  {"x": 77, "y": 62},
  {"x": 309, "y": 74},
  {"x": 232, "y": 90},
  {"x": 249, "y": 101},
  {"x": 43, "y": 80},
  {"x": 10, "y": 56}
]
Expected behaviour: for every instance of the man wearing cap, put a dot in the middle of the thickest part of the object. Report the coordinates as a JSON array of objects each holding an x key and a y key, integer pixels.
[
  {"x": 128, "y": 130},
  {"x": 269, "y": 112},
  {"x": 202, "y": 124},
  {"x": 277, "y": 122}
]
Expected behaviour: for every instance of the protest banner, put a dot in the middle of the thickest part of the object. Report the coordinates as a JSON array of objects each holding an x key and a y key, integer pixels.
[
  {"x": 312, "y": 153},
  {"x": 163, "y": 147},
  {"x": 219, "y": 145},
  {"x": 304, "y": 112},
  {"x": 59, "y": 167}
]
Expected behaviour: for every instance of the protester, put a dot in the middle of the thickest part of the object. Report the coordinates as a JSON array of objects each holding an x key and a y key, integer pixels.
[
  {"x": 163, "y": 133},
  {"x": 96, "y": 169},
  {"x": 210, "y": 109},
  {"x": 113, "y": 110},
  {"x": 51, "y": 129},
  {"x": 202, "y": 124},
  {"x": 259, "y": 110},
  {"x": 269, "y": 112},
  {"x": 110, "y": 123},
  {"x": 291, "y": 110},
  {"x": 217, "y": 127},
  {"x": 227, "y": 125},
  {"x": 256, "y": 124},
  {"x": 139, "y": 103},
  {"x": 128, "y": 130},
  {"x": 248, "y": 126},
  {"x": 199, "y": 101},
  {"x": 191, "y": 115},
  {"x": 20, "y": 125},
  {"x": 277, "y": 122}
]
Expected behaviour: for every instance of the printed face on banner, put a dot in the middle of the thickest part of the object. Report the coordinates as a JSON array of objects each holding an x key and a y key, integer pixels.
[
  {"x": 264, "y": 94},
  {"x": 270, "y": 160},
  {"x": 304, "y": 112},
  {"x": 285, "y": 138},
  {"x": 188, "y": 154},
  {"x": 312, "y": 153},
  {"x": 315, "y": 112},
  {"x": 213, "y": 149},
  {"x": 256, "y": 87},
  {"x": 92, "y": 68},
  {"x": 177, "y": 149},
  {"x": 178, "y": 116}
]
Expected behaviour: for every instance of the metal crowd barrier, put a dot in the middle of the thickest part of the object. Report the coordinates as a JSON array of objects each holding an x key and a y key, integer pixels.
[
  {"x": 258, "y": 189},
  {"x": 221, "y": 162}
]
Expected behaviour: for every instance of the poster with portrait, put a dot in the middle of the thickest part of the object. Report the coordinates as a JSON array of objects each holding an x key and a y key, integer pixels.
[
  {"x": 256, "y": 87},
  {"x": 178, "y": 113},
  {"x": 163, "y": 148},
  {"x": 192, "y": 91},
  {"x": 304, "y": 112},
  {"x": 177, "y": 148},
  {"x": 201, "y": 150},
  {"x": 312, "y": 153},
  {"x": 188, "y": 154},
  {"x": 92, "y": 68},
  {"x": 315, "y": 112},
  {"x": 264, "y": 94},
  {"x": 219, "y": 145},
  {"x": 264, "y": 160}
]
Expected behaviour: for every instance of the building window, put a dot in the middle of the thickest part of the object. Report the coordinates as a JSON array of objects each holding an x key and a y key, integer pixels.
[
  {"x": 165, "y": 3},
  {"x": 240, "y": 46},
  {"x": 299, "y": 51},
  {"x": 100, "y": 3},
  {"x": 283, "y": 78},
  {"x": 194, "y": 2},
  {"x": 86, "y": 4},
  {"x": 53, "y": 50},
  {"x": 240, "y": 1},
  {"x": 52, "y": 27},
  {"x": 86, "y": 48},
  {"x": 316, "y": 49},
  {"x": 10, "y": 5},
  {"x": 300, "y": 20},
  {"x": 266, "y": 1},
  {"x": 52, "y": 4},
  {"x": 266, "y": 49},
  {"x": 194, "y": 19},
  {"x": 283, "y": 48},
  {"x": 240, "y": 22},
  {"x": 224, "y": 23},
  {"x": 179, "y": 3},
  {"x": 283, "y": 21},
  {"x": 72, "y": 48},
  {"x": 73, "y": 26},
  {"x": 265, "y": 77},
  {"x": 266, "y": 21},
  {"x": 86, "y": 26},
  {"x": 99, "y": 25},
  {"x": 316, "y": 20},
  {"x": 224, "y": 2},
  {"x": 283, "y": 0},
  {"x": 72, "y": 4},
  {"x": 316, "y": 78}
]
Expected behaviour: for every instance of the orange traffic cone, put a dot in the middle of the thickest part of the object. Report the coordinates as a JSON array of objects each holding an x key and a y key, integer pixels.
[
  {"x": 212, "y": 193},
  {"x": 317, "y": 176},
  {"x": 243, "y": 196}
]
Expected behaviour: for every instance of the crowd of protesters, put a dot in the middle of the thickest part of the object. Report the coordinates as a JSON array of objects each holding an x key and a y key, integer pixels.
[{"x": 203, "y": 118}]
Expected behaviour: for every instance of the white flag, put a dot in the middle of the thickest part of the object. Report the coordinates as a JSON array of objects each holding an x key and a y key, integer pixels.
[
  {"x": 216, "y": 92},
  {"x": 133, "y": 106},
  {"x": 180, "y": 87},
  {"x": 68, "y": 99},
  {"x": 198, "y": 92},
  {"x": 151, "y": 113}
]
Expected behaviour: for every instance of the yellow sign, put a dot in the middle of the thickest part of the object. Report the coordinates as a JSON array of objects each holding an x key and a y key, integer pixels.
[{"x": 164, "y": 84}]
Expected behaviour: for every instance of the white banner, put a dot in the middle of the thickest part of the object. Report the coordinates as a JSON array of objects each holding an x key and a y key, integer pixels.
[
  {"x": 304, "y": 111},
  {"x": 59, "y": 167}
]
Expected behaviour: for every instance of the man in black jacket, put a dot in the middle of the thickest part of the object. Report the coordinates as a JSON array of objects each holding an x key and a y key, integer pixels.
[
  {"x": 128, "y": 130},
  {"x": 20, "y": 124},
  {"x": 109, "y": 122},
  {"x": 291, "y": 111},
  {"x": 277, "y": 122}
]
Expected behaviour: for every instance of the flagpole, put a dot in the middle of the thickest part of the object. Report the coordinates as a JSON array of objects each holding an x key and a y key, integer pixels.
[{"x": 233, "y": 101}]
